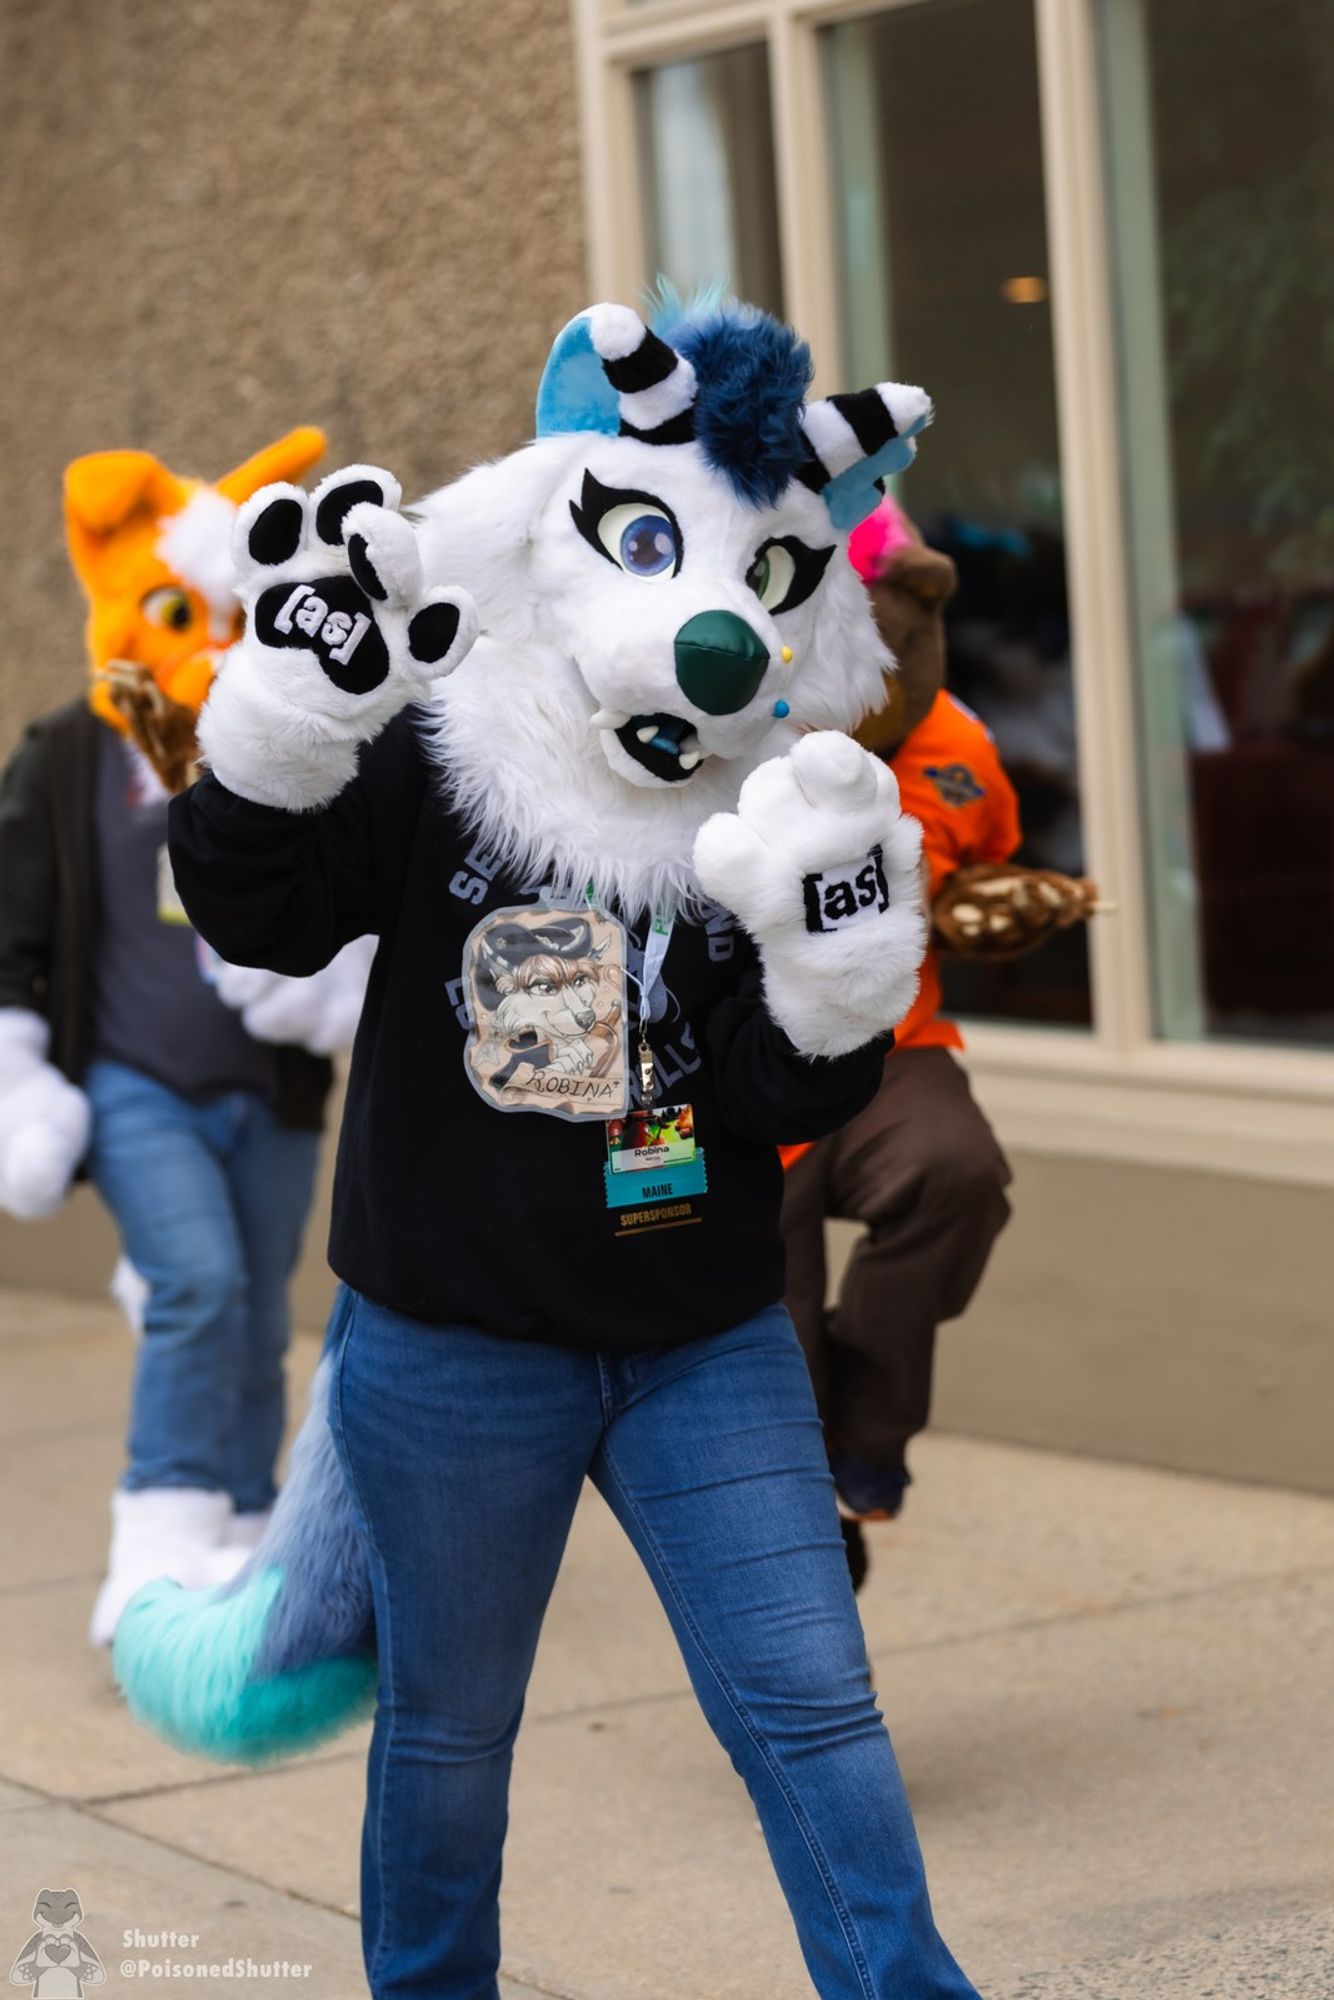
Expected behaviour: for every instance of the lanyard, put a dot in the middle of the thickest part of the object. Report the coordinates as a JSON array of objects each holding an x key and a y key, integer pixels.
[{"x": 655, "y": 952}]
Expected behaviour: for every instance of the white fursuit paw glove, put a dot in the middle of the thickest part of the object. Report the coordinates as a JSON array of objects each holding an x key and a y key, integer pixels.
[
  {"x": 341, "y": 633},
  {"x": 319, "y": 1013},
  {"x": 824, "y": 872},
  {"x": 44, "y": 1120}
]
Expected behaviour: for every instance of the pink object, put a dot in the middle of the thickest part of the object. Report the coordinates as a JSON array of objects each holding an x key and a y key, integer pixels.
[{"x": 877, "y": 538}]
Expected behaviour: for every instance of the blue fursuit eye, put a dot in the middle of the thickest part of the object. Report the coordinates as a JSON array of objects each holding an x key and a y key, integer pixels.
[
  {"x": 648, "y": 545},
  {"x": 643, "y": 540}
]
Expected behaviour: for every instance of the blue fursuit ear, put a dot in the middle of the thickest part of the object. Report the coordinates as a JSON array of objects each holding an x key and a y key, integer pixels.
[
  {"x": 854, "y": 441},
  {"x": 854, "y": 495},
  {"x": 281, "y": 1658},
  {"x": 574, "y": 393}
]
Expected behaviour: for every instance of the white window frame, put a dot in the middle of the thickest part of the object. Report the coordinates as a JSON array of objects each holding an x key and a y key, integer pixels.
[{"x": 1116, "y": 1091}]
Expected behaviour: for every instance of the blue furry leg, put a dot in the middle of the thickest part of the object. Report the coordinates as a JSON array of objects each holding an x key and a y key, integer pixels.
[{"x": 281, "y": 1658}]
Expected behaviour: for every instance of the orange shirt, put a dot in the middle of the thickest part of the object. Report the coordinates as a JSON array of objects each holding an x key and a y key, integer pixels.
[{"x": 950, "y": 778}]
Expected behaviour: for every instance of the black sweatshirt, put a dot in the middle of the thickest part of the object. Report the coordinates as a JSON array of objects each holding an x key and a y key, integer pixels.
[{"x": 488, "y": 996}]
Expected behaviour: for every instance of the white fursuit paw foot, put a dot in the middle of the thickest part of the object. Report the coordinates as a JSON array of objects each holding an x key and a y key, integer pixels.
[
  {"x": 341, "y": 633},
  {"x": 44, "y": 1120},
  {"x": 178, "y": 1532},
  {"x": 824, "y": 872}
]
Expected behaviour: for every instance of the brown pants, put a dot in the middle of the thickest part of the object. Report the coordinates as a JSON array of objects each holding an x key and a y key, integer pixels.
[{"x": 922, "y": 1169}]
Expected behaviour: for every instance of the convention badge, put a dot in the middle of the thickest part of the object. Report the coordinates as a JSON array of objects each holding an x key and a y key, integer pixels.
[
  {"x": 648, "y": 1138},
  {"x": 652, "y": 1156},
  {"x": 170, "y": 908},
  {"x": 546, "y": 993}
]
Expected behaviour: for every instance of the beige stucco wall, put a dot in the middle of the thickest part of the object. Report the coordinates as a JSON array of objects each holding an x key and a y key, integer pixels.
[
  {"x": 1174, "y": 1317},
  {"x": 224, "y": 217}
]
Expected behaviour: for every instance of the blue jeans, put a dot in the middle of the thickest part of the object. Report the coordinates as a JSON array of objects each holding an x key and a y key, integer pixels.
[
  {"x": 210, "y": 1200},
  {"x": 466, "y": 1455}
]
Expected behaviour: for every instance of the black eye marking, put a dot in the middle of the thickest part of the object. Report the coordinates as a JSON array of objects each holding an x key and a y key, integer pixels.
[
  {"x": 597, "y": 500},
  {"x": 808, "y": 566}
]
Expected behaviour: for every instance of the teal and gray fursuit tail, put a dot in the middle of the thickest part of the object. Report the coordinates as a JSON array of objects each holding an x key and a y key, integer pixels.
[{"x": 283, "y": 1656}]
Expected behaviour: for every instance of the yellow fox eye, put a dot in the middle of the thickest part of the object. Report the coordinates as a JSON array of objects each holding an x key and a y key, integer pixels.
[{"x": 168, "y": 607}]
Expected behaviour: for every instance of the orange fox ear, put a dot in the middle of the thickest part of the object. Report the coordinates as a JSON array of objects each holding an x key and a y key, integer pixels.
[
  {"x": 103, "y": 490},
  {"x": 287, "y": 459}
]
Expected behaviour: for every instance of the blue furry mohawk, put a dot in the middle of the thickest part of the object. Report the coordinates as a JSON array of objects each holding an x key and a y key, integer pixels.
[{"x": 753, "y": 374}]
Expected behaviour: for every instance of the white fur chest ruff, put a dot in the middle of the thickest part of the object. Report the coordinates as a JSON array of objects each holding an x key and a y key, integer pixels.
[{"x": 508, "y": 737}]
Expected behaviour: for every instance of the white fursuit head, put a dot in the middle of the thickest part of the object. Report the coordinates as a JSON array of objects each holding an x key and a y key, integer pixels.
[{"x": 576, "y": 653}]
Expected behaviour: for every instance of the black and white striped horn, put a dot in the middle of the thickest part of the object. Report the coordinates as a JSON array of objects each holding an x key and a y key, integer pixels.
[
  {"x": 842, "y": 431},
  {"x": 655, "y": 386}
]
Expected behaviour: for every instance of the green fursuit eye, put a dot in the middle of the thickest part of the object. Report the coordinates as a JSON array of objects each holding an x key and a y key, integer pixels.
[{"x": 772, "y": 575}]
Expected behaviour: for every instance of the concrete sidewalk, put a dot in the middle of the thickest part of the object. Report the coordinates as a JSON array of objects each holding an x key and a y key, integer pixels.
[{"x": 1110, "y": 1690}]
